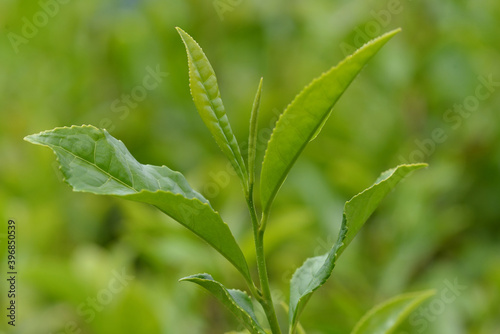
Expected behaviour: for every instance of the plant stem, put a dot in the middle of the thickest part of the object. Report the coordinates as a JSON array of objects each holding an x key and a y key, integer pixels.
[
  {"x": 264, "y": 281},
  {"x": 266, "y": 301},
  {"x": 264, "y": 297}
]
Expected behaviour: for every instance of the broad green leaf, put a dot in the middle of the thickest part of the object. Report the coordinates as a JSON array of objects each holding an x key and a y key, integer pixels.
[
  {"x": 386, "y": 317},
  {"x": 206, "y": 97},
  {"x": 306, "y": 114},
  {"x": 315, "y": 271},
  {"x": 238, "y": 302},
  {"x": 93, "y": 161}
]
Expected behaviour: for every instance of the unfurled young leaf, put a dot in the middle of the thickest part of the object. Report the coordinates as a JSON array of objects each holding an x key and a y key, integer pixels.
[
  {"x": 306, "y": 114},
  {"x": 93, "y": 161},
  {"x": 386, "y": 317},
  {"x": 206, "y": 96},
  {"x": 315, "y": 271},
  {"x": 252, "y": 137},
  {"x": 238, "y": 302}
]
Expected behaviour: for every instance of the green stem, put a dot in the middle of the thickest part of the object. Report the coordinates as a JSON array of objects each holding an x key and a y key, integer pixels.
[
  {"x": 264, "y": 298},
  {"x": 266, "y": 301},
  {"x": 254, "y": 290}
]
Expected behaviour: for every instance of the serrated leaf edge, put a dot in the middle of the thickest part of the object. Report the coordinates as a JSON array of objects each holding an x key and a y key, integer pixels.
[
  {"x": 65, "y": 179},
  {"x": 236, "y": 155},
  {"x": 137, "y": 192},
  {"x": 271, "y": 139}
]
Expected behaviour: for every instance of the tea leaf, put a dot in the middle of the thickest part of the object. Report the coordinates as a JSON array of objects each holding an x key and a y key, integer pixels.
[
  {"x": 306, "y": 114},
  {"x": 206, "y": 97},
  {"x": 238, "y": 302},
  {"x": 93, "y": 161},
  {"x": 252, "y": 136},
  {"x": 386, "y": 317},
  {"x": 315, "y": 271}
]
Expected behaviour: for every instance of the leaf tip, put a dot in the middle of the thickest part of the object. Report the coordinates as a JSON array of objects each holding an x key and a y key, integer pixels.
[
  {"x": 29, "y": 138},
  {"x": 182, "y": 33},
  {"x": 397, "y": 30},
  {"x": 416, "y": 165},
  {"x": 391, "y": 33},
  {"x": 195, "y": 277}
]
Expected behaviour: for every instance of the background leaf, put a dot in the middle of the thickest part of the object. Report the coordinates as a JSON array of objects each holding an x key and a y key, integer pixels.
[
  {"x": 387, "y": 316},
  {"x": 315, "y": 271},
  {"x": 206, "y": 97},
  {"x": 306, "y": 114},
  {"x": 238, "y": 302},
  {"x": 94, "y": 161}
]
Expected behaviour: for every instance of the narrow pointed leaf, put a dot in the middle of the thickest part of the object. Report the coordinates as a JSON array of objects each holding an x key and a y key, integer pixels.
[
  {"x": 306, "y": 114},
  {"x": 315, "y": 271},
  {"x": 238, "y": 302},
  {"x": 252, "y": 137},
  {"x": 93, "y": 161},
  {"x": 206, "y": 97},
  {"x": 386, "y": 317}
]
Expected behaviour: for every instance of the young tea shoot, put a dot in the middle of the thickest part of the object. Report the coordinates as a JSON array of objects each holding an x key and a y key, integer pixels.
[{"x": 93, "y": 161}]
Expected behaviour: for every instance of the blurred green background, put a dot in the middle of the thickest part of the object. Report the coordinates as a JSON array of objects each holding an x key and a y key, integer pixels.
[{"x": 422, "y": 98}]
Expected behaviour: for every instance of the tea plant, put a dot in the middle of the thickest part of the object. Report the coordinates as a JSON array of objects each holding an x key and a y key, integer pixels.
[{"x": 93, "y": 161}]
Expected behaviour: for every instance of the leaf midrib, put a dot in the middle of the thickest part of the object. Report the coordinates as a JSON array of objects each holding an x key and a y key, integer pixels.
[
  {"x": 110, "y": 176},
  {"x": 210, "y": 100},
  {"x": 212, "y": 106}
]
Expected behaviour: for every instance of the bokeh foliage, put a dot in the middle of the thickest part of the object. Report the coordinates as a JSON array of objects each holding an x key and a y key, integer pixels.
[{"x": 440, "y": 227}]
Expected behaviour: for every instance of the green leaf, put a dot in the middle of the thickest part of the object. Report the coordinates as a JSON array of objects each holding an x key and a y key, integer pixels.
[
  {"x": 238, "y": 302},
  {"x": 306, "y": 114},
  {"x": 386, "y": 317},
  {"x": 315, "y": 271},
  {"x": 206, "y": 97},
  {"x": 93, "y": 161},
  {"x": 252, "y": 136}
]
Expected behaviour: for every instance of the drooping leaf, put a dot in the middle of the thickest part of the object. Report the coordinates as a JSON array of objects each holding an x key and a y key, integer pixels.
[
  {"x": 206, "y": 97},
  {"x": 93, "y": 161},
  {"x": 238, "y": 302},
  {"x": 315, "y": 271},
  {"x": 306, "y": 114},
  {"x": 386, "y": 317}
]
